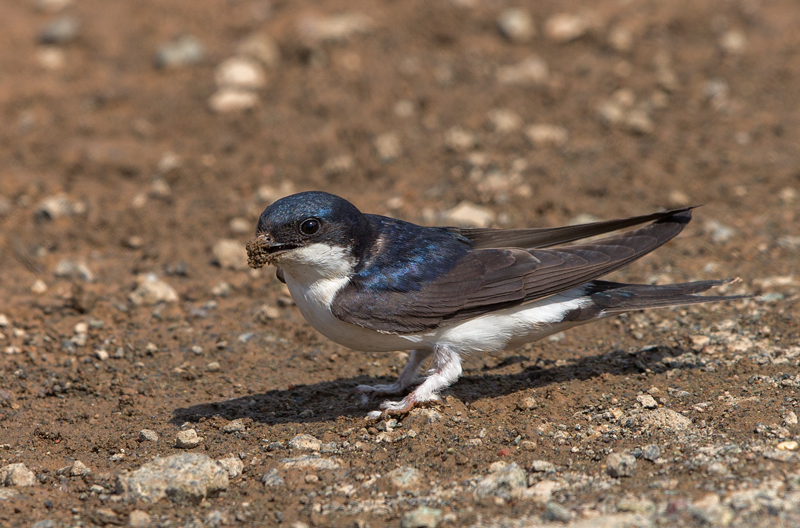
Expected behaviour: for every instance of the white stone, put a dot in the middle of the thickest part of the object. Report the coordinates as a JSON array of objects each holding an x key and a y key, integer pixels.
[
  {"x": 148, "y": 435},
  {"x": 530, "y": 71},
  {"x": 230, "y": 254},
  {"x": 188, "y": 439},
  {"x": 468, "y": 214},
  {"x": 459, "y": 139},
  {"x": 240, "y": 72},
  {"x": 388, "y": 146},
  {"x": 38, "y": 287},
  {"x": 665, "y": 419},
  {"x": 232, "y": 100},
  {"x": 504, "y": 120},
  {"x": 305, "y": 442},
  {"x": 16, "y": 475},
  {"x": 184, "y": 478},
  {"x": 541, "y": 135},
  {"x": 647, "y": 401},
  {"x": 733, "y": 42},
  {"x": 233, "y": 465},
  {"x": 516, "y": 25},
  {"x": 151, "y": 291},
  {"x": 311, "y": 462},
  {"x": 404, "y": 477},
  {"x": 79, "y": 469},
  {"x": 139, "y": 519},
  {"x": 565, "y": 27}
]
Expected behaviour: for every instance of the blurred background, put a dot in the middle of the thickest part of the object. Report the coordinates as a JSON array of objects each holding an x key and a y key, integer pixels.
[{"x": 140, "y": 141}]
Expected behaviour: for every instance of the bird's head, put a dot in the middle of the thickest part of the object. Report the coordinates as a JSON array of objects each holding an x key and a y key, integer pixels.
[{"x": 309, "y": 229}]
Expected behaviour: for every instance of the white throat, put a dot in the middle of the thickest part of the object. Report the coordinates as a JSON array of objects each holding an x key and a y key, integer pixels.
[
  {"x": 317, "y": 262},
  {"x": 314, "y": 274}
]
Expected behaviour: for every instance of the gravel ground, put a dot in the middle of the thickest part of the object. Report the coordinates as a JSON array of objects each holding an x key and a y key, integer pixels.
[{"x": 149, "y": 378}]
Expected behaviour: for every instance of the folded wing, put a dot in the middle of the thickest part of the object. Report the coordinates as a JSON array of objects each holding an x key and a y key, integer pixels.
[
  {"x": 551, "y": 236},
  {"x": 489, "y": 279}
]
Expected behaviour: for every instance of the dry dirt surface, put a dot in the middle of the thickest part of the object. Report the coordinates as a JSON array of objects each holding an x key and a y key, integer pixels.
[{"x": 149, "y": 378}]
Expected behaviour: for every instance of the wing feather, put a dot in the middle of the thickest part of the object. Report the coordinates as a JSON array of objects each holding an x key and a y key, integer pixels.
[{"x": 484, "y": 280}]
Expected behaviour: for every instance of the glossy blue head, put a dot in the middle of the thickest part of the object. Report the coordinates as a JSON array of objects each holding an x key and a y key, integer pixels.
[{"x": 307, "y": 218}]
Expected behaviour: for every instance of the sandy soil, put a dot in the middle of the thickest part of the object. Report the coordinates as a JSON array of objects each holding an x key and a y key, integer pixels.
[{"x": 116, "y": 171}]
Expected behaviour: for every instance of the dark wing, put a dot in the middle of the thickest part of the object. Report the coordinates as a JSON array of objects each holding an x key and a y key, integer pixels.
[
  {"x": 489, "y": 279},
  {"x": 551, "y": 236}
]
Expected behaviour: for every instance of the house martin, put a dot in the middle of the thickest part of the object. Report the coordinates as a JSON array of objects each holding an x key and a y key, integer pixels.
[{"x": 375, "y": 283}]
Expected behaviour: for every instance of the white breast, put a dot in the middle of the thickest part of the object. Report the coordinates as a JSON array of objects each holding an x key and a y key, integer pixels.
[{"x": 314, "y": 274}]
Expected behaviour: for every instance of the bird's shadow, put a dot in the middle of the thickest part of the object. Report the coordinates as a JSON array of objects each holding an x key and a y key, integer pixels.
[{"x": 329, "y": 400}]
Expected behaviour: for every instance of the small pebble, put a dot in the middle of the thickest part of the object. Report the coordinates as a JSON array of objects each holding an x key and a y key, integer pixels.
[
  {"x": 272, "y": 479},
  {"x": 183, "y": 51},
  {"x": 57, "y": 206},
  {"x": 556, "y": 512},
  {"x": 388, "y": 147},
  {"x": 566, "y": 27},
  {"x": 621, "y": 39},
  {"x": 17, "y": 475},
  {"x": 38, "y": 287},
  {"x": 305, "y": 442},
  {"x": 188, "y": 439},
  {"x": 139, "y": 519},
  {"x": 516, "y": 25},
  {"x": 651, "y": 452},
  {"x": 233, "y": 465},
  {"x": 458, "y": 139},
  {"x": 62, "y": 30},
  {"x": 422, "y": 517},
  {"x": 230, "y": 254},
  {"x": 733, "y": 42},
  {"x": 504, "y": 120},
  {"x": 240, "y": 225},
  {"x": 234, "y": 426},
  {"x": 213, "y": 367},
  {"x": 50, "y": 58},
  {"x": 469, "y": 215},
  {"x": 266, "y": 313},
  {"x": 620, "y": 465},
  {"x": 152, "y": 291},
  {"x": 719, "y": 233},
  {"x": 647, "y": 401},
  {"x": 528, "y": 72},
  {"x": 148, "y": 435},
  {"x": 541, "y": 135},
  {"x": 542, "y": 466},
  {"x": 240, "y": 72},
  {"x": 790, "y": 445},
  {"x": 232, "y": 100},
  {"x": 67, "y": 269}
]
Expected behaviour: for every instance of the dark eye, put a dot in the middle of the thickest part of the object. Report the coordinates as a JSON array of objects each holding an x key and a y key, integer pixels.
[{"x": 310, "y": 226}]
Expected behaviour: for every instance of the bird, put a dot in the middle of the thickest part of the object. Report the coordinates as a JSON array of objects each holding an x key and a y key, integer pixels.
[{"x": 378, "y": 284}]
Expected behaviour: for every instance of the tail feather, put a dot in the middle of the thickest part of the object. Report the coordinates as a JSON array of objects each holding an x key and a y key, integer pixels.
[{"x": 615, "y": 297}]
